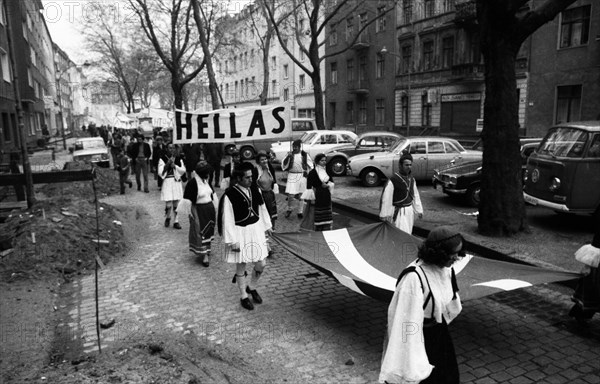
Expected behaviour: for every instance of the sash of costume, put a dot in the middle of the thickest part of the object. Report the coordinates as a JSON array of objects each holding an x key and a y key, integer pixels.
[
  {"x": 171, "y": 170},
  {"x": 403, "y": 192}
]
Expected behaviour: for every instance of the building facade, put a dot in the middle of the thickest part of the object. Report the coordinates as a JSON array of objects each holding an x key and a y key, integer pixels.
[
  {"x": 564, "y": 83},
  {"x": 358, "y": 92},
  {"x": 9, "y": 138}
]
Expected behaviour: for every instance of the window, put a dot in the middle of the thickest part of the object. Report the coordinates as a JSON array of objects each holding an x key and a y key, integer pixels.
[
  {"x": 286, "y": 94},
  {"x": 285, "y": 42},
  {"x": 328, "y": 139},
  {"x": 6, "y": 126},
  {"x": 252, "y": 57},
  {"x": 418, "y": 147},
  {"x": 333, "y": 71},
  {"x": 301, "y": 53},
  {"x": 380, "y": 66},
  {"x": 425, "y": 112},
  {"x": 362, "y": 68},
  {"x": 5, "y": 66},
  {"x": 25, "y": 32},
  {"x": 236, "y": 91},
  {"x": 451, "y": 148},
  {"x": 246, "y": 60},
  {"x": 33, "y": 57},
  {"x": 568, "y": 103},
  {"x": 362, "y": 20},
  {"x": 227, "y": 91},
  {"x": 380, "y": 111},
  {"x": 448, "y": 5},
  {"x": 435, "y": 147},
  {"x": 407, "y": 11},
  {"x": 380, "y": 24},
  {"x": 2, "y": 13},
  {"x": 406, "y": 59},
  {"x": 29, "y": 78},
  {"x": 448, "y": 52},
  {"x": 575, "y": 27},
  {"x": 350, "y": 70},
  {"x": 349, "y": 28},
  {"x": 273, "y": 62},
  {"x": 349, "y": 112},
  {"x": 302, "y": 81},
  {"x": 333, "y": 37},
  {"x": 362, "y": 111},
  {"x": 241, "y": 89},
  {"x": 404, "y": 111},
  {"x": 429, "y": 8},
  {"x": 274, "y": 88},
  {"x": 285, "y": 71},
  {"x": 301, "y": 25},
  {"x": 427, "y": 55}
]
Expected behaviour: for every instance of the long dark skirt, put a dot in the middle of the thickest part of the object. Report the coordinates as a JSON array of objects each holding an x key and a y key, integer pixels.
[
  {"x": 440, "y": 352},
  {"x": 271, "y": 203},
  {"x": 200, "y": 238},
  {"x": 587, "y": 296},
  {"x": 323, "y": 210}
]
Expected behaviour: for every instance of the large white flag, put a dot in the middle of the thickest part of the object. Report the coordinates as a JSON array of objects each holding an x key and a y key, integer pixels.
[{"x": 232, "y": 125}]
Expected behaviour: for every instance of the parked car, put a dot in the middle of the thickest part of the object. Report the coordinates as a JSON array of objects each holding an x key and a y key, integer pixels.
[
  {"x": 314, "y": 143},
  {"x": 376, "y": 141},
  {"x": 465, "y": 179},
  {"x": 428, "y": 153},
  {"x": 564, "y": 173},
  {"x": 249, "y": 149},
  {"x": 91, "y": 150}
]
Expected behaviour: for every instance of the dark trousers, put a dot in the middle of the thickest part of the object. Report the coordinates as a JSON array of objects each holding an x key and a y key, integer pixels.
[
  {"x": 216, "y": 174},
  {"x": 141, "y": 169},
  {"x": 123, "y": 179}
]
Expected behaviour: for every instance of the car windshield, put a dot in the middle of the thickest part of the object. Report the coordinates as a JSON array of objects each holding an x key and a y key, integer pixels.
[
  {"x": 399, "y": 144},
  {"x": 307, "y": 137},
  {"x": 89, "y": 144},
  {"x": 564, "y": 142}
]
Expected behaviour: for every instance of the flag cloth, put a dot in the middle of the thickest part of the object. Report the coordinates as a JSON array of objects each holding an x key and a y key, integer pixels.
[{"x": 368, "y": 259}]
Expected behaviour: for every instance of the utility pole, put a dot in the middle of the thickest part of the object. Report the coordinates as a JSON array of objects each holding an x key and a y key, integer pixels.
[{"x": 19, "y": 109}]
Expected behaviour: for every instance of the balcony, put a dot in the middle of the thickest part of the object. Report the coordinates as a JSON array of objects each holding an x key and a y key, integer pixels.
[
  {"x": 467, "y": 72},
  {"x": 465, "y": 12},
  {"x": 358, "y": 87},
  {"x": 362, "y": 42}
]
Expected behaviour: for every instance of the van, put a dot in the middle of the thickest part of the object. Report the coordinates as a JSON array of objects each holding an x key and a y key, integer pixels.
[
  {"x": 563, "y": 174},
  {"x": 249, "y": 149}
]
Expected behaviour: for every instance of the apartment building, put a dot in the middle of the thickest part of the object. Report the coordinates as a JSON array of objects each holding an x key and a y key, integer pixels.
[
  {"x": 564, "y": 69},
  {"x": 9, "y": 139},
  {"x": 358, "y": 94}
]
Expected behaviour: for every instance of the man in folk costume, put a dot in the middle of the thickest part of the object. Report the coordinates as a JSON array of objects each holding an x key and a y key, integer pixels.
[
  {"x": 244, "y": 224},
  {"x": 171, "y": 168},
  {"x": 264, "y": 177},
  {"x": 400, "y": 198},
  {"x": 235, "y": 162},
  {"x": 297, "y": 165}
]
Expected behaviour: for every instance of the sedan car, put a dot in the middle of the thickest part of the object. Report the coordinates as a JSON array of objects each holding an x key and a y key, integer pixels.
[
  {"x": 465, "y": 179},
  {"x": 91, "y": 150},
  {"x": 428, "y": 153},
  {"x": 313, "y": 143},
  {"x": 368, "y": 142}
]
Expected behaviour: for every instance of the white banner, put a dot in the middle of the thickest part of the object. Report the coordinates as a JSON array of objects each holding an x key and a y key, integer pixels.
[{"x": 232, "y": 125}]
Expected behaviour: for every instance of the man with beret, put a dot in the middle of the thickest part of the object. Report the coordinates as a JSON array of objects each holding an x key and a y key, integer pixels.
[{"x": 400, "y": 198}]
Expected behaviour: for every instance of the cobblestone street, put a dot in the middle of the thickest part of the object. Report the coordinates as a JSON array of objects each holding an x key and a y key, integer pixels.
[{"x": 310, "y": 324}]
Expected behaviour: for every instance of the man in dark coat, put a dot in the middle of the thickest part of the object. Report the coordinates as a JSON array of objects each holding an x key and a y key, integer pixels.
[{"x": 213, "y": 154}]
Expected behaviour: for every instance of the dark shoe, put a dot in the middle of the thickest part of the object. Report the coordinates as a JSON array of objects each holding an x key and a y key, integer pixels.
[
  {"x": 147, "y": 191},
  {"x": 246, "y": 303},
  {"x": 288, "y": 213},
  {"x": 130, "y": 184},
  {"x": 167, "y": 222},
  {"x": 255, "y": 296},
  {"x": 206, "y": 263},
  {"x": 300, "y": 215},
  {"x": 176, "y": 226},
  {"x": 122, "y": 193},
  {"x": 139, "y": 188}
]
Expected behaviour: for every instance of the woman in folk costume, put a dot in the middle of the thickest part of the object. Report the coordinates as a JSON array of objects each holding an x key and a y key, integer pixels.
[
  {"x": 202, "y": 199},
  {"x": 400, "y": 198},
  {"x": 297, "y": 164},
  {"x": 418, "y": 347},
  {"x": 265, "y": 179},
  {"x": 171, "y": 169},
  {"x": 587, "y": 292},
  {"x": 244, "y": 224},
  {"x": 319, "y": 187}
]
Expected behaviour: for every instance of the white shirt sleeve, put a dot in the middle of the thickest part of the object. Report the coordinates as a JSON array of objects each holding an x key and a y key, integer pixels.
[
  {"x": 387, "y": 197},
  {"x": 161, "y": 168},
  {"x": 264, "y": 216},
  {"x": 179, "y": 171},
  {"x": 230, "y": 232},
  {"x": 417, "y": 206}
]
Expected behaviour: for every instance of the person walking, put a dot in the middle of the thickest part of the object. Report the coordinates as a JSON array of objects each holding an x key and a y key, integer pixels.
[
  {"x": 202, "y": 199},
  {"x": 400, "y": 199},
  {"x": 417, "y": 346},
  {"x": 235, "y": 162},
  {"x": 157, "y": 152},
  {"x": 213, "y": 154},
  {"x": 123, "y": 167},
  {"x": 171, "y": 168},
  {"x": 116, "y": 145},
  {"x": 244, "y": 224},
  {"x": 140, "y": 153},
  {"x": 319, "y": 187},
  {"x": 587, "y": 293},
  {"x": 265, "y": 178},
  {"x": 296, "y": 164}
]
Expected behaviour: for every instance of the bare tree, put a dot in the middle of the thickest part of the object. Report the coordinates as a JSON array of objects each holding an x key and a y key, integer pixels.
[
  {"x": 504, "y": 26},
  {"x": 310, "y": 38},
  {"x": 167, "y": 25}
]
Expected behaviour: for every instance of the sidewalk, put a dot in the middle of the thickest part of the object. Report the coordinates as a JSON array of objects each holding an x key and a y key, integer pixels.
[{"x": 314, "y": 329}]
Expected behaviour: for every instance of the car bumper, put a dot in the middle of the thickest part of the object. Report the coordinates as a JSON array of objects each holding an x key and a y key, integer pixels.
[
  {"x": 543, "y": 203},
  {"x": 448, "y": 187}
]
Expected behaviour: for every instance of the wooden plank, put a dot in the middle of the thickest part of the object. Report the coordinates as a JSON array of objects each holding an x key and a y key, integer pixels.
[{"x": 47, "y": 177}]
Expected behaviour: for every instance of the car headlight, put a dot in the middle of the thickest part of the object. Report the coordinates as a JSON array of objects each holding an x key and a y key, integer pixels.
[
  {"x": 555, "y": 184},
  {"x": 453, "y": 179},
  {"x": 525, "y": 175}
]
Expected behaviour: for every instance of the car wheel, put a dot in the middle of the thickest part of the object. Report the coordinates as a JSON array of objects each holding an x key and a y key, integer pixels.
[
  {"x": 247, "y": 153},
  {"x": 472, "y": 195},
  {"x": 337, "y": 166},
  {"x": 371, "y": 178}
]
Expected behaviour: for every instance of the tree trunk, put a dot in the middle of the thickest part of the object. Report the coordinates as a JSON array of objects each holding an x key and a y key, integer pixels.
[
  {"x": 502, "y": 209},
  {"x": 212, "y": 81},
  {"x": 264, "y": 92},
  {"x": 177, "y": 92},
  {"x": 318, "y": 92}
]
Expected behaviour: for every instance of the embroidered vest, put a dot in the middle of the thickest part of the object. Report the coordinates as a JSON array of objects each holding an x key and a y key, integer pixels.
[
  {"x": 245, "y": 208},
  {"x": 403, "y": 190}
]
